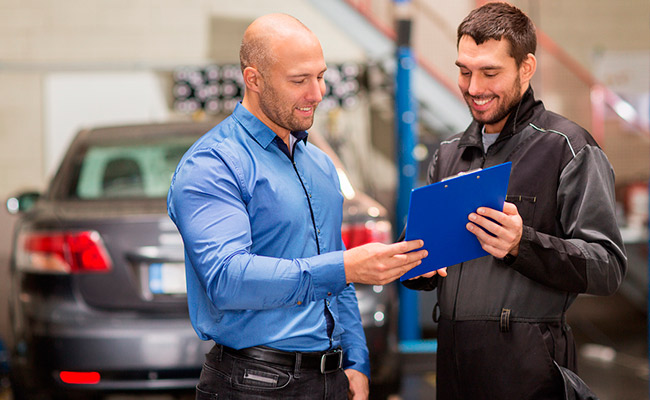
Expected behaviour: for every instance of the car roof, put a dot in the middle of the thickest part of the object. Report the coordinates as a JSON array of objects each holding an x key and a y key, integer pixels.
[{"x": 108, "y": 134}]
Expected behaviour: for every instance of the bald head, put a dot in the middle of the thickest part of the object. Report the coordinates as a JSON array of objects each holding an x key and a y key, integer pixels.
[
  {"x": 283, "y": 69},
  {"x": 264, "y": 34}
]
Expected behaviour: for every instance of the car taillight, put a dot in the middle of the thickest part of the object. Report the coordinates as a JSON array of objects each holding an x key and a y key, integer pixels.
[
  {"x": 62, "y": 252},
  {"x": 370, "y": 231},
  {"x": 79, "y": 378}
]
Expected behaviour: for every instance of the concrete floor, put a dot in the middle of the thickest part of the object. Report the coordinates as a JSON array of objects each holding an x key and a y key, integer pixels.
[{"x": 612, "y": 338}]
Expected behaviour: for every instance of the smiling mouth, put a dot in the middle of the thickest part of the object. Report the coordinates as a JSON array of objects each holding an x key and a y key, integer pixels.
[
  {"x": 481, "y": 102},
  {"x": 307, "y": 111}
]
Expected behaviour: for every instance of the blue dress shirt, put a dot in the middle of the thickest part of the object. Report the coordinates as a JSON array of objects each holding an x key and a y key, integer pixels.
[{"x": 263, "y": 248}]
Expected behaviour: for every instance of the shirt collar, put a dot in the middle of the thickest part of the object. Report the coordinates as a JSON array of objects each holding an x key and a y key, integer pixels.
[{"x": 258, "y": 130}]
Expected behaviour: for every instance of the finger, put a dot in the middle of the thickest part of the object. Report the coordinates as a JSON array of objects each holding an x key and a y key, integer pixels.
[
  {"x": 442, "y": 272},
  {"x": 408, "y": 258},
  {"x": 497, "y": 216},
  {"x": 510, "y": 209},
  {"x": 489, "y": 225},
  {"x": 396, "y": 272},
  {"x": 481, "y": 235},
  {"x": 427, "y": 275},
  {"x": 407, "y": 267},
  {"x": 430, "y": 274},
  {"x": 489, "y": 243},
  {"x": 405, "y": 247}
]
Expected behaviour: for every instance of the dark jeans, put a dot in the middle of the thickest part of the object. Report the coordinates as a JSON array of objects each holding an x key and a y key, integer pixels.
[{"x": 226, "y": 376}]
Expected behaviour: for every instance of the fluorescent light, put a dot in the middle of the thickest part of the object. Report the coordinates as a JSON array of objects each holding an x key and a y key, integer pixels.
[{"x": 625, "y": 110}]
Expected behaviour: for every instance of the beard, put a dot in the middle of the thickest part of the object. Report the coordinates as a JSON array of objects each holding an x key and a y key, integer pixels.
[
  {"x": 281, "y": 113},
  {"x": 506, "y": 104}
]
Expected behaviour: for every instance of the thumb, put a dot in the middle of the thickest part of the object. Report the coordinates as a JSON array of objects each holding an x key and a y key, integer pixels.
[{"x": 510, "y": 209}]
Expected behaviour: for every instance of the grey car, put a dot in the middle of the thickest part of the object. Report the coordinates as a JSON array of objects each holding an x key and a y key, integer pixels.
[{"x": 98, "y": 303}]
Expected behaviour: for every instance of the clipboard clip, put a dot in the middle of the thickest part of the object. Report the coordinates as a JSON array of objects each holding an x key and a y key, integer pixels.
[{"x": 461, "y": 173}]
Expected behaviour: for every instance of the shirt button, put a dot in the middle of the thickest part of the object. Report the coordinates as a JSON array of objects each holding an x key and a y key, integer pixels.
[
  {"x": 329, "y": 293},
  {"x": 300, "y": 302}
]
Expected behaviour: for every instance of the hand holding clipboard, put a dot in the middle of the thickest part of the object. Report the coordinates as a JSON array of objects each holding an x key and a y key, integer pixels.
[{"x": 438, "y": 215}]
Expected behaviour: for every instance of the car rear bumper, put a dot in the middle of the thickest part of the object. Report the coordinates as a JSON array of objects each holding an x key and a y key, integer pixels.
[{"x": 128, "y": 353}]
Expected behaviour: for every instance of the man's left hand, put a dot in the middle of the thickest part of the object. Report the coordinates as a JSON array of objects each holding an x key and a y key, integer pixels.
[
  {"x": 358, "y": 385},
  {"x": 506, "y": 226}
]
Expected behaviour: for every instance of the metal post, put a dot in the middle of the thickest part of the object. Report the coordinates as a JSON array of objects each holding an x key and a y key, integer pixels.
[{"x": 406, "y": 132}]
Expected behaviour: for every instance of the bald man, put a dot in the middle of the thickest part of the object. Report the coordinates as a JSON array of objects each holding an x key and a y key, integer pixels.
[{"x": 260, "y": 212}]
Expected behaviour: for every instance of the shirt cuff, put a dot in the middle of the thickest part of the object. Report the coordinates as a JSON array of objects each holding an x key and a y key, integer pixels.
[
  {"x": 328, "y": 274},
  {"x": 357, "y": 359}
]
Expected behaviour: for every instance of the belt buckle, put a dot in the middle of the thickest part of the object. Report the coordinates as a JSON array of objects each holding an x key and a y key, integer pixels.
[{"x": 323, "y": 361}]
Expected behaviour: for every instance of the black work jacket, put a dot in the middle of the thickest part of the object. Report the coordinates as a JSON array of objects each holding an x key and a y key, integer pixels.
[
  {"x": 563, "y": 187},
  {"x": 502, "y": 330}
]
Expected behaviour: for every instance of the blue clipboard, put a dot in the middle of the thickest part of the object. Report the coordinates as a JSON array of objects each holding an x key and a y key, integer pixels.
[{"x": 438, "y": 215}]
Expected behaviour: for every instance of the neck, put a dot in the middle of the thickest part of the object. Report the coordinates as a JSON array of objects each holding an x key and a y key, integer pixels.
[
  {"x": 253, "y": 107},
  {"x": 496, "y": 128}
]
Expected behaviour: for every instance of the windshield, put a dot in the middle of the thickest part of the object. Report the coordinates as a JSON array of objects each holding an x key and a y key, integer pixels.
[{"x": 129, "y": 170}]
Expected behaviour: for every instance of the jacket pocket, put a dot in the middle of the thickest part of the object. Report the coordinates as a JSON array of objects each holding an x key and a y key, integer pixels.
[{"x": 525, "y": 207}]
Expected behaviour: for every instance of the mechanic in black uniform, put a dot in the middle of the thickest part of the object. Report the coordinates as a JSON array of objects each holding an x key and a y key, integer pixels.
[{"x": 502, "y": 332}]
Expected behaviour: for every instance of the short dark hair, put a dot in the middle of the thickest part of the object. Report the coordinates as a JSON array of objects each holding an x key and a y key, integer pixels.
[
  {"x": 497, "y": 21},
  {"x": 255, "y": 53}
]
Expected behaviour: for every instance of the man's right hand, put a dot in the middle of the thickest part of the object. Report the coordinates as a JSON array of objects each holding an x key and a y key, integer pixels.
[
  {"x": 379, "y": 264},
  {"x": 442, "y": 272}
]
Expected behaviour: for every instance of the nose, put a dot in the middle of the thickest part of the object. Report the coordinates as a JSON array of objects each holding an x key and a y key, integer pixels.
[
  {"x": 475, "y": 86},
  {"x": 316, "y": 91}
]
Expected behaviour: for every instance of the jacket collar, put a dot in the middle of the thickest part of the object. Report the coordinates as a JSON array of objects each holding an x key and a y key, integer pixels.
[{"x": 518, "y": 118}]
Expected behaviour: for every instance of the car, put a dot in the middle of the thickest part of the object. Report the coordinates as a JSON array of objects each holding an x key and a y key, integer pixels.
[{"x": 98, "y": 302}]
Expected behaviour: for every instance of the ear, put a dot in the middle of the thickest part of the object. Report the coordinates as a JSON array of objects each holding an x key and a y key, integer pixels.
[
  {"x": 527, "y": 68},
  {"x": 252, "y": 79}
]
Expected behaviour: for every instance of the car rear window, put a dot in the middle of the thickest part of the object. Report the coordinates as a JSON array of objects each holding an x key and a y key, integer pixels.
[{"x": 129, "y": 170}]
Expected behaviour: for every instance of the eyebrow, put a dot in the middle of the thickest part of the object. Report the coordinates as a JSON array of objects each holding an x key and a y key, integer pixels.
[
  {"x": 484, "y": 68},
  {"x": 306, "y": 74}
]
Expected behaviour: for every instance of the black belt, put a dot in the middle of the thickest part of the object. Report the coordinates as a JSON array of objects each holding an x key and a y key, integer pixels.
[{"x": 325, "y": 362}]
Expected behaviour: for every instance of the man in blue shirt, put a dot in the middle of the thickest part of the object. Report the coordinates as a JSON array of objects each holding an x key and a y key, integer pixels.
[{"x": 260, "y": 212}]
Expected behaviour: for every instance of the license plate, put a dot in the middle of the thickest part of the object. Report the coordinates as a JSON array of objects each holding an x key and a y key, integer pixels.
[{"x": 167, "y": 278}]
